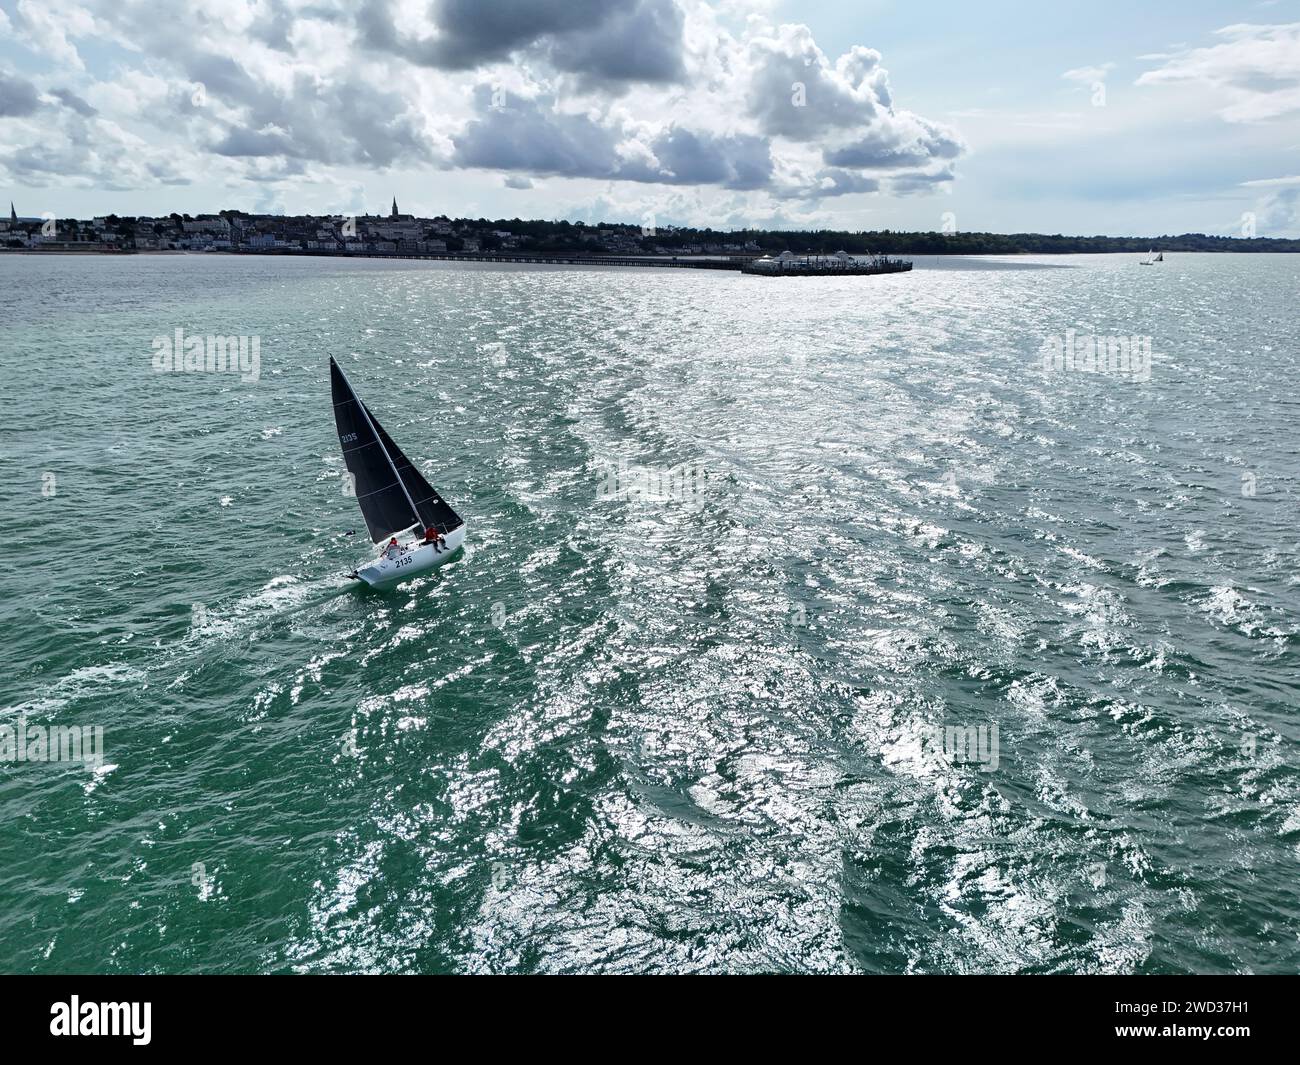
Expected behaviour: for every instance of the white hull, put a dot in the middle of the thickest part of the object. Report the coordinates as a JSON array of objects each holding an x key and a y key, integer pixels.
[{"x": 417, "y": 557}]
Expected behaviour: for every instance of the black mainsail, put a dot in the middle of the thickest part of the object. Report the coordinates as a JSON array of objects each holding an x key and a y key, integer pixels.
[{"x": 392, "y": 493}]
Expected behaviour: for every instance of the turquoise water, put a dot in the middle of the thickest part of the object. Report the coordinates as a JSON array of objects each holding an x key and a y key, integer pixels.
[{"x": 681, "y": 720}]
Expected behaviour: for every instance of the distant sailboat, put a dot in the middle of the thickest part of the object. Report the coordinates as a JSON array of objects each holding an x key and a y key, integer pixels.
[
  {"x": 393, "y": 495},
  {"x": 1153, "y": 257}
]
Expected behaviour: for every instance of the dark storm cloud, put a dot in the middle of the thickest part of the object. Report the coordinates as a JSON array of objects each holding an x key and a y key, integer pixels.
[
  {"x": 528, "y": 135},
  {"x": 18, "y": 97},
  {"x": 604, "y": 42}
]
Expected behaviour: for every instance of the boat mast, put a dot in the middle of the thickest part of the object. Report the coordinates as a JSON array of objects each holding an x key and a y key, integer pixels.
[{"x": 391, "y": 465}]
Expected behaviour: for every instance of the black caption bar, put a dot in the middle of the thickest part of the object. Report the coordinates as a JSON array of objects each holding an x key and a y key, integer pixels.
[{"x": 142, "y": 1014}]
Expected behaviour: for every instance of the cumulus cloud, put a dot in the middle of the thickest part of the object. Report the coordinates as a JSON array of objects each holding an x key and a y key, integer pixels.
[
  {"x": 534, "y": 136},
  {"x": 1255, "y": 69},
  {"x": 906, "y": 142},
  {"x": 828, "y": 182},
  {"x": 1088, "y": 75},
  {"x": 847, "y": 107},
  {"x": 648, "y": 92},
  {"x": 17, "y": 96},
  {"x": 795, "y": 92},
  {"x": 921, "y": 181},
  {"x": 237, "y": 100},
  {"x": 604, "y": 41},
  {"x": 530, "y": 135},
  {"x": 1279, "y": 212},
  {"x": 65, "y": 148},
  {"x": 639, "y": 41},
  {"x": 686, "y": 157},
  {"x": 50, "y": 25},
  {"x": 71, "y": 100}
]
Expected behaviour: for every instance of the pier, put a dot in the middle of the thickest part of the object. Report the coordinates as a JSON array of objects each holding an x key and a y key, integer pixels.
[
  {"x": 785, "y": 264},
  {"x": 788, "y": 264},
  {"x": 733, "y": 262}
]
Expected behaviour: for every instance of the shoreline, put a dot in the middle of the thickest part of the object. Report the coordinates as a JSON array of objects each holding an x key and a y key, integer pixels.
[{"x": 730, "y": 263}]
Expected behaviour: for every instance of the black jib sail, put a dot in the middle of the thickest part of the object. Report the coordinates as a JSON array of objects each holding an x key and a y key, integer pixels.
[
  {"x": 434, "y": 511},
  {"x": 391, "y": 492}
]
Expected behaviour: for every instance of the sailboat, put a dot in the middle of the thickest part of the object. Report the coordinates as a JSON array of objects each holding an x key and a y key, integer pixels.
[
  {"x": 393, "y": 495},
  {"x": 1153, "y": 256}
]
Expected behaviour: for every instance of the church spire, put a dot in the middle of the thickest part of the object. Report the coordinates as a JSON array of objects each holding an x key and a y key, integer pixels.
[
  {"x": 13, "y": 215},
  {"x": 394, "y": 207}
]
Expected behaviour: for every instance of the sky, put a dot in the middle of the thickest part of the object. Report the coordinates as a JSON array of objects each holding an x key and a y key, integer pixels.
[{"x": 1065, "y": 117}]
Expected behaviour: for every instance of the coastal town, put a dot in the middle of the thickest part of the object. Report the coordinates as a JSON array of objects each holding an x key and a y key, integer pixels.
[
  {"x": 399, "y": 234},
  {"x": 392, "y": 233}
]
